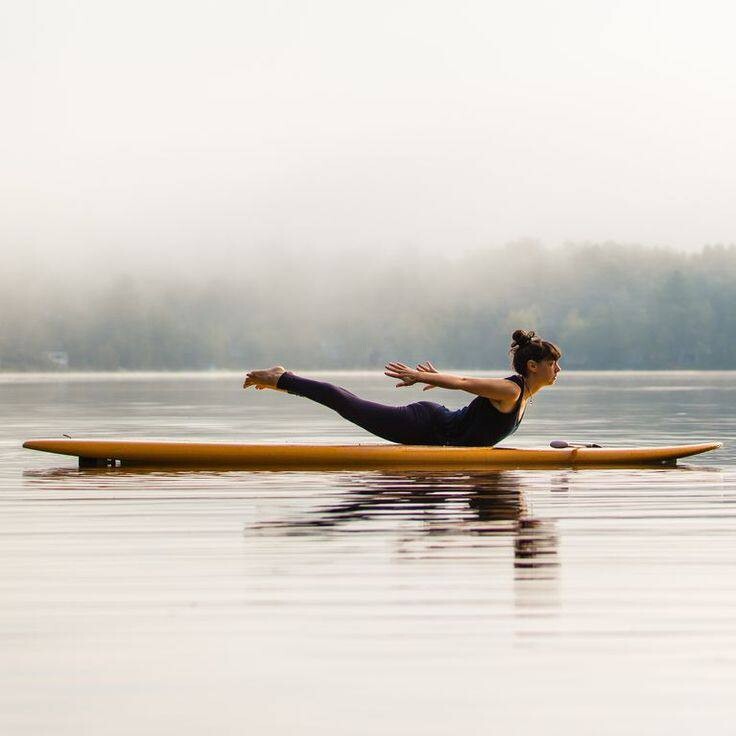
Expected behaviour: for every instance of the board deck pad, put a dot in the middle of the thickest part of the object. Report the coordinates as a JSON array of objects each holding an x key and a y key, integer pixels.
[{"x": 154, "y": 453}]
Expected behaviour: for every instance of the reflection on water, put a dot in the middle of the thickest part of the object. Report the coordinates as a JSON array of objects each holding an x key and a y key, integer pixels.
[{"x": 443, "y": 505}]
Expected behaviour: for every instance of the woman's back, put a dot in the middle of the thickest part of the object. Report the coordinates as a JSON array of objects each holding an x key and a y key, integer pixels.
[{"x": 479, "y": 423}]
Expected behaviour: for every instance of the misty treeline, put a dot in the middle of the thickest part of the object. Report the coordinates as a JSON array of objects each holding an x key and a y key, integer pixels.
[{"x": 608, "y": 306}]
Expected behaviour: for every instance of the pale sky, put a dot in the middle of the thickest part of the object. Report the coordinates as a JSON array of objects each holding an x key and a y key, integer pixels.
[{"x": 165, "y": 130}]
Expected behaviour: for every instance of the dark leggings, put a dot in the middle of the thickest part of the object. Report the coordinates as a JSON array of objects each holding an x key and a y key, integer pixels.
[{"x": 415, "y": 424}]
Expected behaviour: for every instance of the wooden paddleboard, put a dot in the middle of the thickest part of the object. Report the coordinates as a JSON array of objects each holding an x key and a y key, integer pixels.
[{"x": 100, "y": 453}]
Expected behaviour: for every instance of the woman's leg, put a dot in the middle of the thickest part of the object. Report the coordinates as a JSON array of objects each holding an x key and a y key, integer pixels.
[{"x": 407, "y": 425}]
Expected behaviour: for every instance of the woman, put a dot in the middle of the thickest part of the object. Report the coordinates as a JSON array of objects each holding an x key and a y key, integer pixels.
[{"x": 493, "y": 415}]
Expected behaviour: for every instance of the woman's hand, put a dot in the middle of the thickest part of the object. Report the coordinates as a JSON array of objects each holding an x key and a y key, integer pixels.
[
  {"x": 406, "y": 375},
  {"x": 409, "y": 376},
  {"x": 427, "y": 367}
]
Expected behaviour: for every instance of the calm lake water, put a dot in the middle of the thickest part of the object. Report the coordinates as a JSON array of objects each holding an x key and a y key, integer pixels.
[{"x": 576, "y": 602}]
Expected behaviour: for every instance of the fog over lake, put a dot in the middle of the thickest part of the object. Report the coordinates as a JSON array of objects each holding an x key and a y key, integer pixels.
[{"x": 608, "y": 307}]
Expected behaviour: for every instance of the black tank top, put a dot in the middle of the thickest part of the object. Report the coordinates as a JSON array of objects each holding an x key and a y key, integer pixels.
[{"x": 480, "y": 424}]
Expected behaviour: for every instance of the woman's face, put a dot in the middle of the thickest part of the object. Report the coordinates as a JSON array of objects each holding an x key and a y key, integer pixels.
[
  {"x": 545, "y": 370},
  {"x": 554, "y": 368}
]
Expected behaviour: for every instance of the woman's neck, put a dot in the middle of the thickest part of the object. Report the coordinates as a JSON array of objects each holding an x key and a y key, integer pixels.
[{"x": 531, "y": 385}]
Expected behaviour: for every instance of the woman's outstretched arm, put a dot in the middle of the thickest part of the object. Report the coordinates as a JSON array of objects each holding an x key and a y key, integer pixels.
[{"x": 498, "y": 389}]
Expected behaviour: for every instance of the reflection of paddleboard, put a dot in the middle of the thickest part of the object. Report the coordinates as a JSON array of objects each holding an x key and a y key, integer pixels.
[{"x": 99, "y": 453}]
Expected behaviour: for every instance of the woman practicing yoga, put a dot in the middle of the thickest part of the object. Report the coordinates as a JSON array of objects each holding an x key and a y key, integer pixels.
[{"x": 493, "y": 415}]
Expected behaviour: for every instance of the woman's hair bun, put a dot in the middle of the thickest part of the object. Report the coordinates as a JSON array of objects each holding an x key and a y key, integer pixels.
[{"x": 521, "y": 338}]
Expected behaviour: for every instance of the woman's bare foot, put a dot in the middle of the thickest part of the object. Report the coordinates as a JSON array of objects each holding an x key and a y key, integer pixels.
[{"x": 264, "y": 379}]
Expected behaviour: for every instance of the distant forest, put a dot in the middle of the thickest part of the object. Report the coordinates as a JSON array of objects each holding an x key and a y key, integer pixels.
[{"x": 608, "y": 306}]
